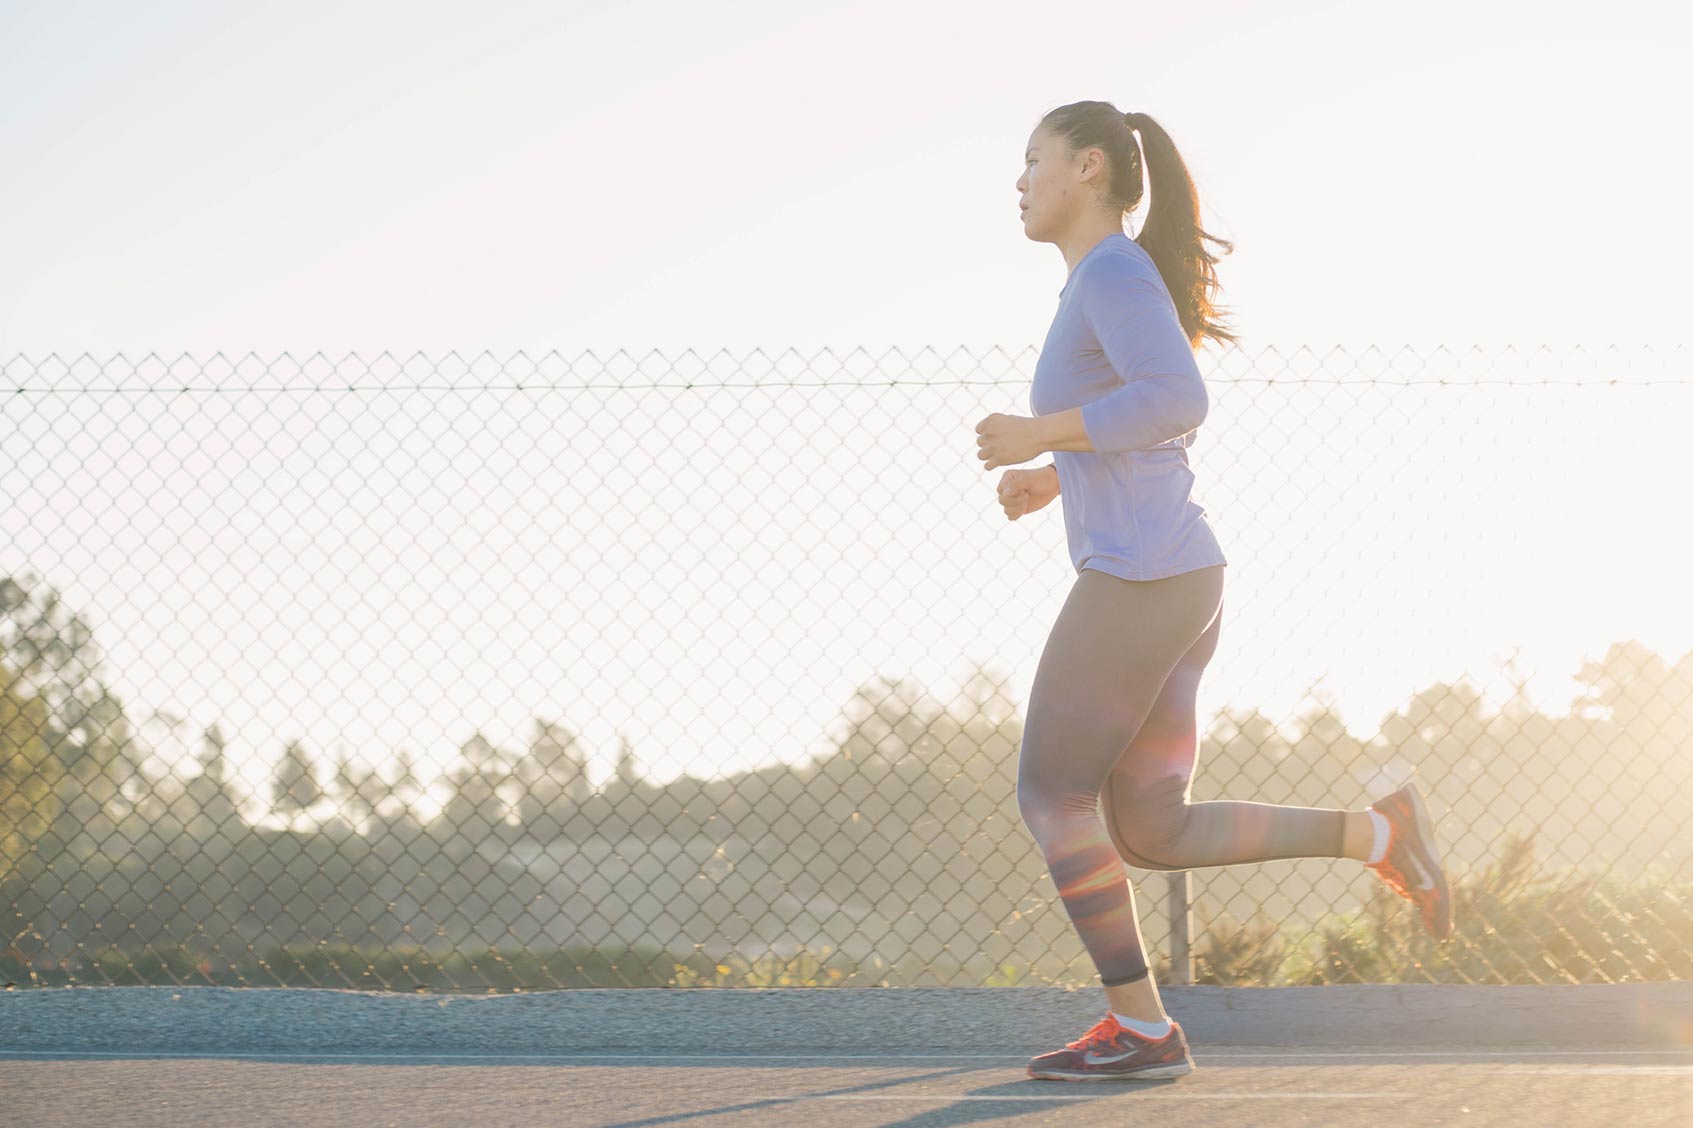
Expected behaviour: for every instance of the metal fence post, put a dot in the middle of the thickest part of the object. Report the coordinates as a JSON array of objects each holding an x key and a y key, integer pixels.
[{"x": 1181, "y": 927}]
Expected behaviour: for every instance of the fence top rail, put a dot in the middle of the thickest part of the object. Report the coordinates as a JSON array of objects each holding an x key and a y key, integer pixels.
[{"x": 856, "y": 366}]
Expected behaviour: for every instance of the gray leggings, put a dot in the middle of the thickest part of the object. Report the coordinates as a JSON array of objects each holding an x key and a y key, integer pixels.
[{"x": 1112, "y": 716}]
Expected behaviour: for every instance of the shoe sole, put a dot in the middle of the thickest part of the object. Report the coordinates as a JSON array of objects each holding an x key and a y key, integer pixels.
[
  {"x": 1150, "y": 1073},
  {"x": 1425, "y": 838}
]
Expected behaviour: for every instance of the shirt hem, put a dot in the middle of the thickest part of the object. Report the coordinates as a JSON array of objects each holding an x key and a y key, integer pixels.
[{"x": 1123, "y": 572}]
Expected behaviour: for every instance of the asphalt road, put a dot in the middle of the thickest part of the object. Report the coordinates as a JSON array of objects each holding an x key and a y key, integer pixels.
[{"x": 1235, "y": 1086}]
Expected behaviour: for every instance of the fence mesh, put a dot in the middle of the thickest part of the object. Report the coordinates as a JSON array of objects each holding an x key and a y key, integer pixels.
[{"x": 480, "y": 674}]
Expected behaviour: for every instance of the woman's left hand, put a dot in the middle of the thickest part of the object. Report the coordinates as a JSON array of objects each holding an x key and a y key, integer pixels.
[{"x": 1005, "y": 440}]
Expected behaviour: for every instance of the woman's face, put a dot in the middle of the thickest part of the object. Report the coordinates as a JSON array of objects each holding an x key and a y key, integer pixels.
[{"x": 1055, "y": 186}]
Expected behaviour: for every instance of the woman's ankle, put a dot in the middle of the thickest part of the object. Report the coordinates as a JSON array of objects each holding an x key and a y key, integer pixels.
[{"x": 1360, "y": 835}]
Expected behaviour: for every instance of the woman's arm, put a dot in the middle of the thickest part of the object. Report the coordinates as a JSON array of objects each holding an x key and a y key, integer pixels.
[
  {"x": 1162, "y": 395},
  {"x": 1063, "y": 430}
]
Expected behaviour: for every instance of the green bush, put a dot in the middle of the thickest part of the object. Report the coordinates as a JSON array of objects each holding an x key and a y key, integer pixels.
[{"x": 1512, "y": 924}]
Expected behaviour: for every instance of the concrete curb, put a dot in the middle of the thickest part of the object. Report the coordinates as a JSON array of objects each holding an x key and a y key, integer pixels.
[{"x": 258, "y": 1020}]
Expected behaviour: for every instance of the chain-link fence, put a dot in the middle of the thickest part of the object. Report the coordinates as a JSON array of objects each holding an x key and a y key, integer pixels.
[{"x": 707, "y": 670}]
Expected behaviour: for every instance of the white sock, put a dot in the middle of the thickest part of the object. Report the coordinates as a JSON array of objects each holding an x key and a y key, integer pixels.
[
  {"x": 1150, "y": 1029},
  {"x": 1379, "y": 850}
]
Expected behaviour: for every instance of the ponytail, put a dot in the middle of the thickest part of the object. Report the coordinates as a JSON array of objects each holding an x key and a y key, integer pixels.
[{"x": 1171, "y": 235}]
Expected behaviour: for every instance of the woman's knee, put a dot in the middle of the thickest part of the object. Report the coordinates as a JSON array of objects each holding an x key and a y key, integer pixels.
[
  {"x": 1141, "y": 861},
  {"x": 1149, "y": 822},
  {"x": 1065, "y": 758},
  {"x": 1048, "y": 810},
  {"x": 1131, "y": 855}
]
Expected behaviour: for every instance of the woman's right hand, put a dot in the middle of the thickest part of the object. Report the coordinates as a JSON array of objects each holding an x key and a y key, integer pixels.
[{"x": 1024, "y": 491}]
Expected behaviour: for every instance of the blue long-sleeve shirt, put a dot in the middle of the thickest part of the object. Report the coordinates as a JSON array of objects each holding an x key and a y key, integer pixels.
[{"x": 1116, "y": 349}]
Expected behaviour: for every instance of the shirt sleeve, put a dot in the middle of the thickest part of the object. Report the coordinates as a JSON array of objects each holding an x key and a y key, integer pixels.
[{"x": 1163, "y": 395}]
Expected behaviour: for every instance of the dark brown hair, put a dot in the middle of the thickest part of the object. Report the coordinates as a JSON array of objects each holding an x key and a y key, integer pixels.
[{"x": 1171, "y": 234}]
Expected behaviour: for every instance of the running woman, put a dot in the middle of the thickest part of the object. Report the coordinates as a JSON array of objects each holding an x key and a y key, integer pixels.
[{"x": 1116, "y": 397}]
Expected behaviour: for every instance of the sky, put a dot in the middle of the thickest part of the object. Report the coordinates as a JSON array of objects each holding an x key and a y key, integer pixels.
[
  {"x": 199, "y": 179},
  {"x": 192, "y": 177}
]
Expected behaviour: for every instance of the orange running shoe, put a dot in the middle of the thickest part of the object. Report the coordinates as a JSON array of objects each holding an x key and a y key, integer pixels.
[
  {"x": 1112, "y": 1052},
  {"x": 1411, "y": 867}
]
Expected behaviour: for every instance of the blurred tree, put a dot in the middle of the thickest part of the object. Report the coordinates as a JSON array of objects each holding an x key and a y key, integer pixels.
[
  {"x": 294, "y": 787},
  {"x": 553, "y": 781},
  {"x": 475, "y": 807},
  {"x": 29, "y": 776},
  {"x": 57, "y": 662}
]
